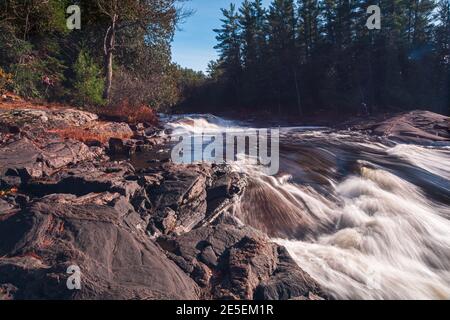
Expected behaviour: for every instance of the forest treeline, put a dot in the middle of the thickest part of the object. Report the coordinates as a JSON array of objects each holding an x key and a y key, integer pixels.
[
  {"x": 120, "y": 55},
  {"x": 292, "y": 57},
  {"x": 310, "y": 56}
]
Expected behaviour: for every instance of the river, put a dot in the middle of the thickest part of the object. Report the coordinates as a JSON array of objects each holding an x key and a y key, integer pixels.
[{"x": 366, "y": 217}]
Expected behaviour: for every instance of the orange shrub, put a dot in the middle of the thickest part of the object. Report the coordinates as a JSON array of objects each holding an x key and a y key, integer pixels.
[
  {"x": 129, "y": 114},
  {"x": 86, "y": 134}
]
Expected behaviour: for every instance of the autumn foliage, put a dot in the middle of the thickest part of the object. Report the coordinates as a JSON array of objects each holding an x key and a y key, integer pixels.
[
  {"x": 125, "y": 112},
  {"x": 85, "y": 134}
]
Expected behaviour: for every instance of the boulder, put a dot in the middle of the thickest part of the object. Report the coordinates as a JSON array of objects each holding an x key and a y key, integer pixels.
[
  {"x": 26, "y": 159},
  {"x": 122, "y": 147},
  {"x": 116, "y": 258},
  {"x": 183, "y": 190},
  {"x": 229, "y": 261},
  {"x": 85, "y": 178}
]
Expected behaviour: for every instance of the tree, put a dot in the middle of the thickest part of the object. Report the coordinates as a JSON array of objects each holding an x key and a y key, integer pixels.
[
  {"x": 309, "y": 14},
  {"x": 283, "y": 50},
  {"x": 253, "y": 23},
  {"x": 442, "y": 36},
  {"x": 229, "y": 46},
  {"x": 88, "y": 82},
  {"x": 152, "y": 17}
]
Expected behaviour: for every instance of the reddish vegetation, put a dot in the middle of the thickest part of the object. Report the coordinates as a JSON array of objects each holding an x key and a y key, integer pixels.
[
  {"x": 8, "y": 192},
  {"x": 129, "y": 114},
  {"x": 124, "y": 112},
  {"x": 10, "y": 101},
  {"x": 85, "y": 134}
]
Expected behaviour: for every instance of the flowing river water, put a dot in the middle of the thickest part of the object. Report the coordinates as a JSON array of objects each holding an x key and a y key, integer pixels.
[{"x": 367, "y": 218}]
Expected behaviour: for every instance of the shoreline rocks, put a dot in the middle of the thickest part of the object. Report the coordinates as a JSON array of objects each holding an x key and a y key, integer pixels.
[
  {"x": 161, "y": 232},
  {"x": 418, "y": 127}
]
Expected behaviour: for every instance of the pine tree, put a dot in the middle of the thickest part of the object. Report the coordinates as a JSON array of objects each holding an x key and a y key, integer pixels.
[
  {"x": 252, "y": 21},
  {"x": 248, "y": 24},
  {"x": 309, "y": 12},
  {"x": 442, "y": 67},
  {"x": 229, "y": 46},
  {"x": 283, "y": 52}
]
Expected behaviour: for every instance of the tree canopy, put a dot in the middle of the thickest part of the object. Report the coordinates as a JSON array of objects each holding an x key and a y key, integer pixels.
[{"x": 309, "y": 56}]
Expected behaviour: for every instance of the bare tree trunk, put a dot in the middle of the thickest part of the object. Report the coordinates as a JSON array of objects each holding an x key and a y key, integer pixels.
[{"x": 109, "y": 50}]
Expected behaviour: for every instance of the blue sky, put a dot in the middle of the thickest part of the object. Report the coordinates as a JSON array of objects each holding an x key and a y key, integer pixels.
[{"x": 193, "y": 43}]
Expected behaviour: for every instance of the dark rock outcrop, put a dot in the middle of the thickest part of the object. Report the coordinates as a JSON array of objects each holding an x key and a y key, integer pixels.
[
  {"x": 26, "y": 159},
  {"x": 236, "y": 262},
  {"x": 162, "y": 232},
  {"x": 420, "y": 127},
  {"x": 116, "y": 258}
]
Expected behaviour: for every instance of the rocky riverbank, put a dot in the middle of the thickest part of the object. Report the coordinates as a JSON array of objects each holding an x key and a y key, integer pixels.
[
  {"x": 158, "y": 231},
  {"x": 417, "y": 127},
  {"x": 162, "y": 232}
]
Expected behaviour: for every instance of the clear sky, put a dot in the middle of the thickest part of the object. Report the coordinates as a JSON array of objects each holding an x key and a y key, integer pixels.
[{"x": 194, "y": 42}]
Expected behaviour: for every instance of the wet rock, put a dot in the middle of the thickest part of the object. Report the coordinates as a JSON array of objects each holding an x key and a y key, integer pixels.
[
  {"x": 288, "y": 281},
  {"x": 124, "y": 147},
  {"x": 226, "y": 188}
]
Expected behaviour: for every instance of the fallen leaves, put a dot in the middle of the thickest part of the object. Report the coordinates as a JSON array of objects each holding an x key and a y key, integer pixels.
[{"x": 4, "y": 193}]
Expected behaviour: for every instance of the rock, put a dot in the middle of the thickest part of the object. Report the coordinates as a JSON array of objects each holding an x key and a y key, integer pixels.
[
  {"x": 93, "y": 143},
  {"x": 62, "y": 153},
  {"x": 226, "y": 188},
  {"x": 87, "y": 178},
  {"x": 7, "y": 292},
  {"x": 125, "y": 147},
  {"x": 184, "y": 191},
  {"x": 117, "y": 260},
  {"x": 7, "y": 207},
  {"x": 209, "y": 257},
  {"x": 167, "y": 222},
  {"x": 116, "y": 129},
  {"x": 25, "y": 159},
  {"x": 420, "y": 127},
  {"x": 237, "y": 262},
  {"x": 247, "y": 263},
  {"x": 288, "y": 282},
  {"x": 14, "y": 130},
  {"x": 48, "y": 118}
]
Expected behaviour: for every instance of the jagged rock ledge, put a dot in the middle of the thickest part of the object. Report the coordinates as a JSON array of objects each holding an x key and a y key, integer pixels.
[{"x": 163, "y": 232}]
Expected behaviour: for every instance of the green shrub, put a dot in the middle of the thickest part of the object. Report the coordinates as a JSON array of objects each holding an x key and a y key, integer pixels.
[
  {"x": 88, "y": 83},
  {"x": 27, "y": 80}
]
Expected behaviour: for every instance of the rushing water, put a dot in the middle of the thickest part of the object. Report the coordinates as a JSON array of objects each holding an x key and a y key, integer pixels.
[{"x": 366, "y": 218}]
